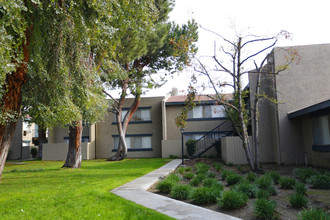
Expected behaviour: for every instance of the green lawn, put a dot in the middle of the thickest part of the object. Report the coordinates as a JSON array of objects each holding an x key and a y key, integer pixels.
[{"x": 43, "y": 190}]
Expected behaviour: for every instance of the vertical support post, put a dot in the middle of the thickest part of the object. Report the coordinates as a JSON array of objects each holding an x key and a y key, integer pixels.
[{"x": 181, "y": 129}]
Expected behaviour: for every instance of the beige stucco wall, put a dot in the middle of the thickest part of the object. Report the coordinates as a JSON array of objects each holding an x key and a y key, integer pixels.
[
  {"x": 57, "y": 134},
  {"x": 58, "y": 151},
  {"x": 232, "y": 150},
  {"x": 105, "y": 130},
  {"x": 303, "y": 84}
]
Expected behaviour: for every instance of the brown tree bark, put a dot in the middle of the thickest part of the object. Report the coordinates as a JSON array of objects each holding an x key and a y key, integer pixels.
[
  {"x": 74, "y": 157},
  {"x": 11, "y": 101}
]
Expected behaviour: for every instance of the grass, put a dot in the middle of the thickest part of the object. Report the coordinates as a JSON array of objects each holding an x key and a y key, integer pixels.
[{"x": 42, "y": 190}]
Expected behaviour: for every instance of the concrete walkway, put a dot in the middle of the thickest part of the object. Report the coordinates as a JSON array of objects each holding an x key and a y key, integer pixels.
[{"x": 135, "y": 191}]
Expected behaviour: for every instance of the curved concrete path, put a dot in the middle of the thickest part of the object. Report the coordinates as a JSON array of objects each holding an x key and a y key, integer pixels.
[{"x": 135, "y": 191}]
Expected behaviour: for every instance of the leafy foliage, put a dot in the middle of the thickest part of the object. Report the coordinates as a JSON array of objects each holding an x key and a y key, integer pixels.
[
  {"x": 300, "y": 188},
  {"x": 189, "y": 175},
  {"x": 287, "y": 182},
  {"x": 298, "y": 200},
  {"x": 275, "y": 176},
  {"x": 233, "y": 179},
  {"x": 165, "y": 186},
  {"x": 181, "y": 192},
  {"x": 265, "y": 209},
  {"x": 314, "y": 213},
  {"x": 320, "y": 181},
  {"x": 304, "y": 173},
  {"x": 191, "y": 147},
  {"x": 203, "y": 196},
  {"x": 251, "y": 177},
  {"x": 232, "y": 199},
  {"x": 247, "y": 188}
]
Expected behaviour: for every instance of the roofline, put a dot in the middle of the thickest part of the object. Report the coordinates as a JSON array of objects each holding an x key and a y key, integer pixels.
[{"x": 310, "y": 109}]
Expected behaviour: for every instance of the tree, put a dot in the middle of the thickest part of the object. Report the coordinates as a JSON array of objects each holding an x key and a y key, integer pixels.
[
  {"x": 238, "y": 59},
  {"x": 159, "y": 46}
]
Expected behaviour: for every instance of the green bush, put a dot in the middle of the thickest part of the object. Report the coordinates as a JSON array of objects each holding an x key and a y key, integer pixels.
[
  {"x": 180, "y": 170},
  {"x": 34, "y": 152},
  {"x": 217, "y": 187},
  {"x": 263, "y": 182},
  {"x": 203, "y": 196},
  {"x": 304, "y": 173},
  {"x": 298, "y": 200},
  {"x": 180, "y": 192},
  {"x": 173, "y": 177},
  {"x": 165, "y": 186},
  {"x": 276, "y": 176},
  {"x": 251, "y": 177},
  {"x": 171, "y": 156},
  {"x": 208, "y": 182},
  {"x": 314, "y": 214},
  {"x": 218, "y": 166},
  {"x": 233, "y": 179},
  {"x": 240, "y": 168},
  {"x": 191, "y": 147},
  {"x": 287, "y": 182},
  {"x": 189, "y": 175},
  {"x": 225, "y": 173},
  {"x": 195, "y": 181},
  {"x": 300, "y": 188},
  {"x": 188, "y": 169},
  {"x": 320, "y": 181},
  {"x": 201, "y": 168},
  {"x": 263, "y": 194},
  {"x": 232, "y": 199},
  {"x": 248, "y": 189},
  {"x": 265, "y": 209},
  {"x": 211, "y": 174}
]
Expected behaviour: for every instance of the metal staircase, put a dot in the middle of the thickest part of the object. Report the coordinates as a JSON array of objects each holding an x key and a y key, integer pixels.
[{"x": 210, "y": 139}]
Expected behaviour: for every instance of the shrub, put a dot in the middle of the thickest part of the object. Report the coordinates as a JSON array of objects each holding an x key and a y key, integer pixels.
[
  {"x": 173, "y": 178},
  {"x": 272, "y": 190},
  {"x": 211, "y": 174},
  {"x": 240, "y": 168},
  {"x": 251, "y": 177},
  {"x": 201, "y": 176},
  {"x": 248, "y": 189},
  {"x": 233, "y": 179},
  {"x": 34, "y": 152},
  {"x": 195, "y": 181},
  {"x": 187, "y": 169},
  {"x": 304, "y": 173},
  {"x": 231, "y": 164},
  {"x": 203, "y": 196},
  {"x": 275, "y": 176},
  {"x": 189, "y": 175},
  {"x": 208, "y": 182},
  {"x": 265, "y": 209},
  {"x": 320, "y": 181},
  {"x": 165, "y": 186},
  {"x": 191, "y": 147},
  {"x": 287, "y": 182},
  {"x": 217, "y": 187},
  {"x": 300, "y": 188},
  {"x": 218, "y": 167},
  {"x": 171, "y": 156},
  {"x": 298, "y": 200},
  {"x": 201, "y": 168},
  {"x": 232, "y": 199},
  {"x": 180, "y": 170},
  {"x": 225, "y": 173},
  {"x": 264, "y": 182},
  {"x": 180, "y": 192},
  {"x": 263, "y": 194},
  {"x": 314, "y": 213}
]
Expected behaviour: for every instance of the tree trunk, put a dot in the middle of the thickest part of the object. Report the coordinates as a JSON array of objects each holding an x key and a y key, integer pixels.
[
  {"x": 42, "y": 139},
  {"x": 11, "y": 101},
  {"x": 256, "y": 122},
  {"x": 74, "y": 157}
]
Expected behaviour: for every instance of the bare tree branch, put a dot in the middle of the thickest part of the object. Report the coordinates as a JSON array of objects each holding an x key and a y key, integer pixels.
[{"x": 255, "y": 54}]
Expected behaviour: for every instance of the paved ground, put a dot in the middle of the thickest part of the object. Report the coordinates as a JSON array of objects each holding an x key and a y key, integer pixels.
[{"x": 136, "y": 191}]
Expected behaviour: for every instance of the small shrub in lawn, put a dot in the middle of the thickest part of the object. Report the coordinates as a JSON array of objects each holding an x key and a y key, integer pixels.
[
  {"x": 180, "y": 192},
  {"x": 171, "y": 156},
  {"x": 265, "y": 209},
  {"x": 180, "y": 170},
  {"x": 188, "y": 169},
  {"x": 218, "y": 167},
  {"x": 165, "y": 186},
  {"x": 248, "y": 189},
  {"x": 195, "y": 181},
  {"x": 263, "y": 194},
  {"x": 287, "y": 182},
  {"x": 225, "y": 173},
  {"x": 233, "y": 179},
  {"x": 272, "y": 190},
  {"x": 189, "y": 175},
  {"x": 203, "y": 196},
  {"x": 232, "y": 199},
  {"x": 202, "y": 167},
  {"x": 211, "y": 174},
  {"x": 298, "y": 200},
  {"x": 304, "y": 173},
  {"x": 251, "y": 177},
  {"x": 173, "y": 177},
  {"x": 240, "y": 168},
  {"x": 276, "y": 176},
  {"x": 320, "y": 181},
  {"x": 208, "y": 182},
  {"x": 314, "y": 214},
  {"x": 201, "y": 176},
  {"x": 300, "y": 188},
  {"x": 263, "y": 182},
  {"x": 217, "y": 187}
]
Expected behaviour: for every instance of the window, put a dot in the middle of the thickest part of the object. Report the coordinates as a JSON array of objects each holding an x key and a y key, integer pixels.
[
  {"x": 207, "y": 111},
  {"x": 140, "y": 115},
  {"x": 321, "y": 130},
  {"x": 135, "y": 141}
]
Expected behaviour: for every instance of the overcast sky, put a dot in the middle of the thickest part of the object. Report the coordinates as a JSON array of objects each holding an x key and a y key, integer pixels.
[{"x": 308, "y": 21}]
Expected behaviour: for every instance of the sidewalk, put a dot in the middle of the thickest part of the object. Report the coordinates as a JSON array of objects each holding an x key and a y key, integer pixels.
[{"x": 135, "y": 191}]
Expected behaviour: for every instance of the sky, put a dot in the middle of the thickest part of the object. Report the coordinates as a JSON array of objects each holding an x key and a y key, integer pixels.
[{"x": 307, "y": 21}]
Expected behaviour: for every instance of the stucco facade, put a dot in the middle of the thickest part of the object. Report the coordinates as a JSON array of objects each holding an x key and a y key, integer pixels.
[{"x": 304, "y": 83}]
